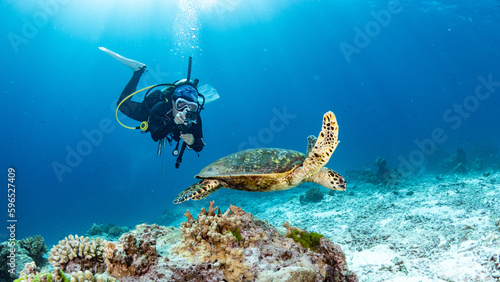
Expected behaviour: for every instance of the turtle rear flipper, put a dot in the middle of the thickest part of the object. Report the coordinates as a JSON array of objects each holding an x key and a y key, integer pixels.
[
  {"x": 199, "y": 190},
  {"x": 322, "y": 150}
]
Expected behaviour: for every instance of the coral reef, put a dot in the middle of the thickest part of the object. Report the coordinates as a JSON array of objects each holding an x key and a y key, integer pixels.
[
  {"x": 451, "y": 227},
  {"x": 35, "y": 246},
  {"x": 363, "y": 175},
  {"x": 459, "y": 169},
  {"x": 12, "y": 263},
  {"x": 457, "y": 162},
  {"x": 30, "y": 273},
  {"x": 459, "y": 157},
  {"x": 211, "y": 238},
  {"x": 383, "y": 176},
  {"x": 261, "y": 254},
  {"x": 135, "y": 251},
  {"x": 327, "y": 252},
  {"x": 229, "y": 246},
  {"x": 108, "y": 229},
  {"x": 20, "y": 252},
  {"x": 114, "y": 230},
  {"x": 306, "y": 239},
  {"x": 382, "y": 173},
  {"x": 169, "y": 217},
  {"x": 75, "y": 253},
  {"x": 95, "y": 230},
  {"x": 313, "y": 195},
  {"x": 485, "y": 154},
  {"x": 481, "y": 157},
  {"x": 444, "y": 162}
]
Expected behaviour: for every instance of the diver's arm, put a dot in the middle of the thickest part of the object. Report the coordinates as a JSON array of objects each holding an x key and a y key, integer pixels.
[
  {"x": 197, "y": 132},
  {"x": 161, "y": 125}
]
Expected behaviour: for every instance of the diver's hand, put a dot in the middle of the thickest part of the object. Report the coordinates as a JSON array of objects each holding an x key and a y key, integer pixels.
[
  {"x": 188, "y": 138},
  {"x": 180, "y": 118}
]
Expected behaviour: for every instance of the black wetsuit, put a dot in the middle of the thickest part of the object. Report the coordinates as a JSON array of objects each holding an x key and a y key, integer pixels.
[{"x": 159, "y": 115}]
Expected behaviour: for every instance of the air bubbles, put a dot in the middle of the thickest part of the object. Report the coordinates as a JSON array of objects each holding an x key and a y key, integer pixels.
[{"x": 187, "y": 27}]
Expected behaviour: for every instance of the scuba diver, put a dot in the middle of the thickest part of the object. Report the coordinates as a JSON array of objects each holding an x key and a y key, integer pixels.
[{"x": 169, "y": 114}]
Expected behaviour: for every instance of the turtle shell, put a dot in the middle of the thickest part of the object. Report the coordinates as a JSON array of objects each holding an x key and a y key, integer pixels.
[{"x": 253, "y": 161}]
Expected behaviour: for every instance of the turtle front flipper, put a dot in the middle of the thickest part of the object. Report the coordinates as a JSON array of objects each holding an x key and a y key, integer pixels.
[
  {"x": 329, "y": 179},
  {"x": 199, "y": 190},
  {"x": 321, "y": 152}
]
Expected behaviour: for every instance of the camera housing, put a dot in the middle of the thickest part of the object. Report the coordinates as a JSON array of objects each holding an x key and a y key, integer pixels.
[{"x": 191, "y": 117}]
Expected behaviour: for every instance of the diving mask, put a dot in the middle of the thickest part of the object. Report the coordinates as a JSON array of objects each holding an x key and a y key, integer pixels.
[
  {"x": 186, "y": 96},
  {"x": 181, "y": 104}
]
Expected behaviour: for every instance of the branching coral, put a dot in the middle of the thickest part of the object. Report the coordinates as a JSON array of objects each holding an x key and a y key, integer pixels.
[
  {"x": 214, "y": 239},
  {"x": 30, "y": 274},
  {"x": 87, "y": 276},
  {"x": 76, "y": 253}
]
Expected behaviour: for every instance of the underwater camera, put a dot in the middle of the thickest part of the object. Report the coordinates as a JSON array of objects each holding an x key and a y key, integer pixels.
[{"x": 191, "y": 117}]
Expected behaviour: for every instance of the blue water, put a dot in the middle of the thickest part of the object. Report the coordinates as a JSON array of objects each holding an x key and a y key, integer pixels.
[{"x": 265, "y": 58}]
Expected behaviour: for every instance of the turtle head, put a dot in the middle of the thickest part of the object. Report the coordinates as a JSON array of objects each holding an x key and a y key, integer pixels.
[{"x": 329, "y": 179}]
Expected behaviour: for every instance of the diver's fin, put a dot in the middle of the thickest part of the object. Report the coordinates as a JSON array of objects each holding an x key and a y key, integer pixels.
[
  {"x": 134, "y": 65},
  {"x": 208, "y": 92}
]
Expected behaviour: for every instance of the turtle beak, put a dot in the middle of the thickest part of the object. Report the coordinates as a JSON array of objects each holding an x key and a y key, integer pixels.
[{"x": 340, "y": 185}]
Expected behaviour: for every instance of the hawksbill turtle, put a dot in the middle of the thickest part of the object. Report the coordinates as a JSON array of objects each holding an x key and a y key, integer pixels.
[{"x": 272, "y": 169}]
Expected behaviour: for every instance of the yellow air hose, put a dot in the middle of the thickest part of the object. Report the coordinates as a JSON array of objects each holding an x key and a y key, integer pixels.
[{"x": 144, "y": 124}]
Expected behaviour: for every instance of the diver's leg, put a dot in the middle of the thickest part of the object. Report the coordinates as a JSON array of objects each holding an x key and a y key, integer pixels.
[{"x": 130, "y": 108}]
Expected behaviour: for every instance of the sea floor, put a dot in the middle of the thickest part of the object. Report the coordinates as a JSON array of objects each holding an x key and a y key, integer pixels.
[{"x": 430, "y": 228}]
